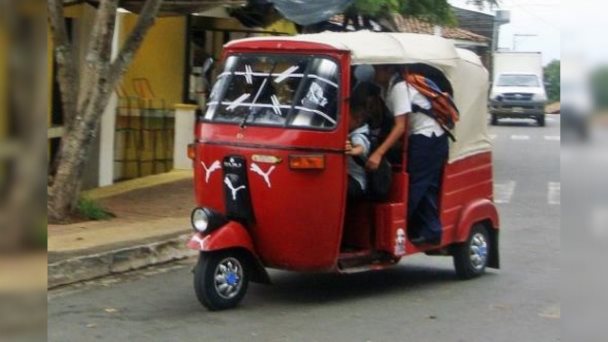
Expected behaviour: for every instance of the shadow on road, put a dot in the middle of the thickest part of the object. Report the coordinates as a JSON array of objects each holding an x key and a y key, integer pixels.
[{"x": 315, "y": 288}]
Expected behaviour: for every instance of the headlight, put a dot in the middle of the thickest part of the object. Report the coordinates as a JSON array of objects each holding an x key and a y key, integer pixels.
[
  {"x": 204, "y": 220},
  {"x": 200, "y": 220},
  {"x": 539, "y": 97}
]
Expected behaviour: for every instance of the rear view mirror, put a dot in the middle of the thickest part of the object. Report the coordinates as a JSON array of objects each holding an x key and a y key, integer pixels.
[{"x": 208, "y": 64}]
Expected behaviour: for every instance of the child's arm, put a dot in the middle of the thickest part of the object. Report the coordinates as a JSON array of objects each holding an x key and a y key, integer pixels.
[{"x": 353, "y": 150}]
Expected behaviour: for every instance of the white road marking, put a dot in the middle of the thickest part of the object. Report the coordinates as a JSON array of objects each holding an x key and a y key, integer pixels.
[
  {"x": 492, "y": 136},
  {"x": 503, "y": 192},
  {"x": 552, "y": 137},
  {"x": 520, "y": 137},
  {"x": 553, "y": 194}
]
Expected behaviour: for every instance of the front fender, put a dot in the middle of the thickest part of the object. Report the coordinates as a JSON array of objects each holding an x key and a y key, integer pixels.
[
  {"x": 474, "y": 212},
  {"x": 231, "y": 235}
]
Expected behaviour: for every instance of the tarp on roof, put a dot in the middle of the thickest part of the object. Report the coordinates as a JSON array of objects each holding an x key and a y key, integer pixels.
[{"x": 308, "y": 12}]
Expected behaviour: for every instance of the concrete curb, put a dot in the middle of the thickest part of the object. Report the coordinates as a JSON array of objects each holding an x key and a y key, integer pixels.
[{"x": 87, "y": 267}]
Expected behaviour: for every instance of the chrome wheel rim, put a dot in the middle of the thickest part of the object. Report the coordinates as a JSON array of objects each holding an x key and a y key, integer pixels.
[
  {"x": 478, "y": 251},
  {"x": 228, "y": 278}
]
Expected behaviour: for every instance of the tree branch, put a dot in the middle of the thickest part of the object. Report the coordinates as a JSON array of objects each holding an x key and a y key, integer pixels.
[
  {"x": 134, "y": 41},
  {"x": 66, "y": 65},
  {"x": 99, "y": 52}
]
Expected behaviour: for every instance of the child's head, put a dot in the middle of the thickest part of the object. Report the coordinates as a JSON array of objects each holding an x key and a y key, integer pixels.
[{"x": 357, "y": 112}]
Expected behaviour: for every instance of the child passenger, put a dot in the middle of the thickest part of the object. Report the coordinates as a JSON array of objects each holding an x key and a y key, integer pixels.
[{"x": 357, "y": 148}]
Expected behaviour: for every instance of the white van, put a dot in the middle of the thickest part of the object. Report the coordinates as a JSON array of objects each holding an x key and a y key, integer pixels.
[{"x": 518, "y": 90}]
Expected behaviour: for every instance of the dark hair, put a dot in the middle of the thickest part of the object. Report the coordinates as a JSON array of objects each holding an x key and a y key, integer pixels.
[
  {"x": 358, "y": 108},
  {"x": 366, "y": 95}
]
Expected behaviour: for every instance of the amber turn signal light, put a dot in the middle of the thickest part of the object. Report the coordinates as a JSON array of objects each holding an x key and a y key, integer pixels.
[
  {"x": 307, "y": 162},
  {"x": 191, "y": 151}
]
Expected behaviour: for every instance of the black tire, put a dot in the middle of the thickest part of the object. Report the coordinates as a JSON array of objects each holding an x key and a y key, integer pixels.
[
  {"x": 207, "y": 288},
  {"x": 494, "y": 120},
  {"x": 471, "y": 258},
  {"x": 541, "y": 120}
]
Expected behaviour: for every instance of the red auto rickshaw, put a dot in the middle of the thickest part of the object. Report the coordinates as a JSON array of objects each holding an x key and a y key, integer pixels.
[{"x": 270, "y": 169}]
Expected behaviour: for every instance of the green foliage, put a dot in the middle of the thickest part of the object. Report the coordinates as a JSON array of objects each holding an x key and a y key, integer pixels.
[
  {"x": 91, "y": 210},
  {"x": 435, "y": 11},
  {"x": 552, "y": 77},
  {"x": 599, "y": 87}
]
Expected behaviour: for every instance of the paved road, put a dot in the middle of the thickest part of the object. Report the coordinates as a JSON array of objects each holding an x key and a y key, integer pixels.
[{"x": 418, "y": 300}]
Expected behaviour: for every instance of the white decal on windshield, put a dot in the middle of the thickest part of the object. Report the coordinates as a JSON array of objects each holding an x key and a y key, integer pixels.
[
  {"x": 262, "y": 74},
  {"x": 255, "y": 99},
  {"x": 282, "y": 76},
  {"x": 208, "y": 171},
  {"x": 315, "y": 96},
  {"x": 238, "y": 102},
  {"x": 266, "y": 175},
  {"x": 276, "y": 105},
  {"x": 248, "y": 74}
]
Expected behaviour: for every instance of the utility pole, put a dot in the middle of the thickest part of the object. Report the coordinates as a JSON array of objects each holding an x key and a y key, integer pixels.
[{"x": 501, "y": 17}]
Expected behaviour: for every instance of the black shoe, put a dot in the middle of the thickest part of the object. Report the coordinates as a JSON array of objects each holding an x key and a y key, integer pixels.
[{"x": 421, "y": 240}]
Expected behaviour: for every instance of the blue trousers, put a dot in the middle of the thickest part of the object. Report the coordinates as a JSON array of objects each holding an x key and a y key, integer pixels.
[{"x": 426, "y": 158}]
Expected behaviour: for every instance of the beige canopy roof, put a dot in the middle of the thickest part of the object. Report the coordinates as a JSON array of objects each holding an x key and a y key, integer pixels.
[
  {"x": 461, "y": 67},
  {"x": 368, "y": 47}
]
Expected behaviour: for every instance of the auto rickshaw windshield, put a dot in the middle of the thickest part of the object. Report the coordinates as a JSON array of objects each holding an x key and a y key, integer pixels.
[{"x": 276, "y": 90}]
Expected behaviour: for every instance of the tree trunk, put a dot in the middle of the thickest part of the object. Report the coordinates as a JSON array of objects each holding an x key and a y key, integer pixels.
[
  {"x": 22, "y": 181},
  {"x": 99, "y": 77}
]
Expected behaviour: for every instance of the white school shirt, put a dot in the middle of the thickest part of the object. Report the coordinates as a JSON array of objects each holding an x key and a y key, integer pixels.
[
  {"x": 399, "y": 100},
  {"x": 358, "y": 137}
]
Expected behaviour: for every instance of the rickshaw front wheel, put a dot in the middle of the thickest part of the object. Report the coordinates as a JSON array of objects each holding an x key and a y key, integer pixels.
[
  {"x": 221, "y": 279},
  {"x": 471, "y": 257}
]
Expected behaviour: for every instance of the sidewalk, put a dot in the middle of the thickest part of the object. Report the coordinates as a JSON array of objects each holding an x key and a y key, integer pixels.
[{"x": 151, "y": 226}]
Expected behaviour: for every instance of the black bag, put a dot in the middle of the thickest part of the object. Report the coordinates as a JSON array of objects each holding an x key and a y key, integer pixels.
[{"x": 378, "y": 181}]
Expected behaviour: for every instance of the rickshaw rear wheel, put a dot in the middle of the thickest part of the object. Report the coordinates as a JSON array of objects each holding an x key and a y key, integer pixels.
[
  {"x": 494, "y": 120},
  {"x": 471, "y": 257},
  {"x": 221, "y": 279}
]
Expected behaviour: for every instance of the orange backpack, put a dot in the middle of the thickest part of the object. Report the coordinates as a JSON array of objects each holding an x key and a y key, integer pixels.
[{"x": 443, "y": 109}]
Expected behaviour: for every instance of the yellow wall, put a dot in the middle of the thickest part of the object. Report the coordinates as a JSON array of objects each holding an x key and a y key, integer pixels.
[
  {"x": 282, "y": 26},
  {"x": 160, "y": 59},
  {"x": 73, "y": 11}
]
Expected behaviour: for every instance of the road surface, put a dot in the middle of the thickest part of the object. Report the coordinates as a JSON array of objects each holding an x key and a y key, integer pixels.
[{"x": 418, "y": 300}]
